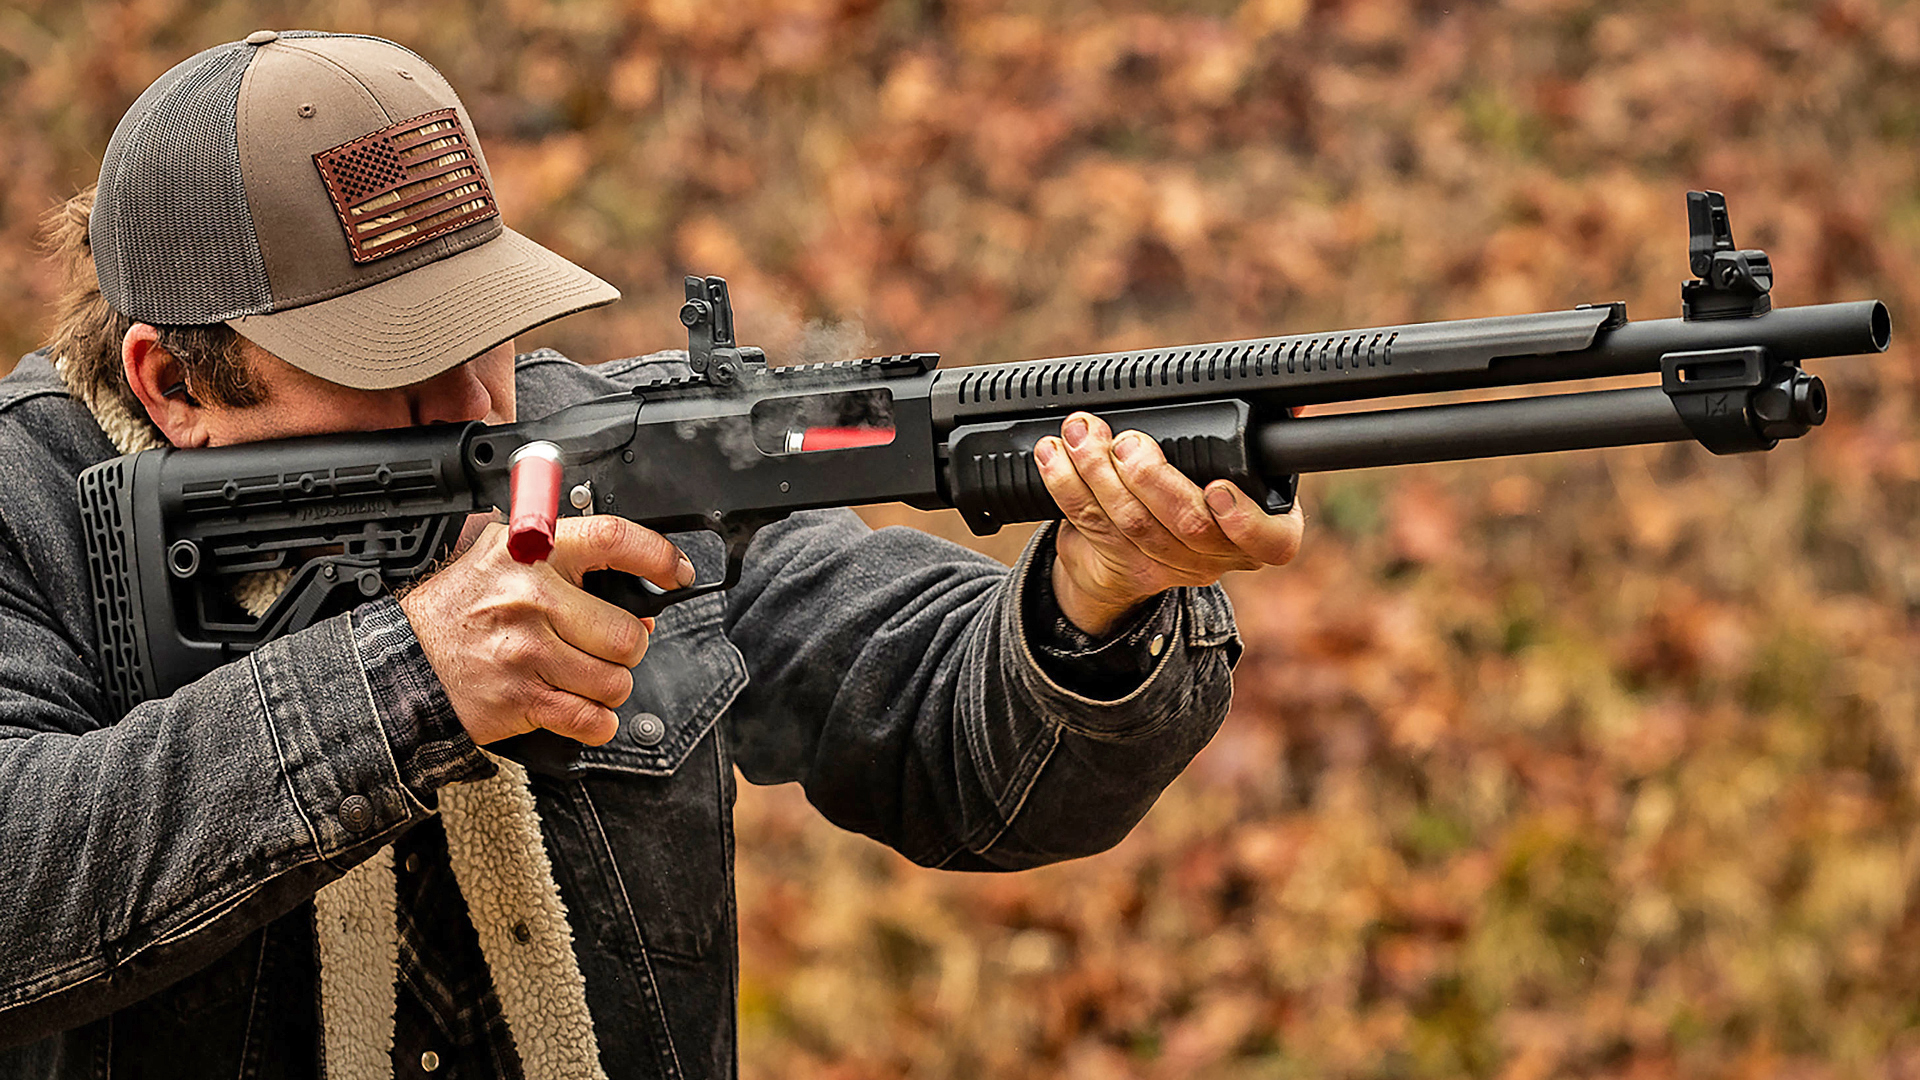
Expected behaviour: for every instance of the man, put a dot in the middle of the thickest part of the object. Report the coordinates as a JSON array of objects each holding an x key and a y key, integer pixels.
[{"x": 304, "y": 864}]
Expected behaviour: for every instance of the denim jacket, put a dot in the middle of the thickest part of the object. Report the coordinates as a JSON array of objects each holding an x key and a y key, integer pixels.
[{"x": 157, "y": 869}]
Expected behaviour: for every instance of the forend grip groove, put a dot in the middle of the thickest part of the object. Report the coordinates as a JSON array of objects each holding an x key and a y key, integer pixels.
[{"x": 994, "y": 480}]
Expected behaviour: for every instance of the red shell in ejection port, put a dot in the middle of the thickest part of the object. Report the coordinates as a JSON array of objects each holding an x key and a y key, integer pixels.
[{"x": 841, "y": 438}]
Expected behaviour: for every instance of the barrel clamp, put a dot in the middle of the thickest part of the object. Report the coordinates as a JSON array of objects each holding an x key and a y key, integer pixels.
[{"x": 1739, "y": 400}]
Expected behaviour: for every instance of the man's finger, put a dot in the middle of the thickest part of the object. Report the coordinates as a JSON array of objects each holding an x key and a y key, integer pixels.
[
  {"x": 1271, "y": 539},
  {"x": 575, "y": 717},
  {"x": 1069, "y": 489},
  {"x": 609, "y": 542},
  {"x": 1175, "y": 501},
  {"x": 1093, "y": 459},
  {"x": 600, "y": 629},
  {"x": 475, "y": 526},
  {"x": 575, "y": 672}
]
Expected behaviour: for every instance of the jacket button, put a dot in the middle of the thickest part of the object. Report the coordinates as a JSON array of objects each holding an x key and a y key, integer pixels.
[
  {"x": 429, "y": 1061},
  {"x": 413, "y": 864},
  {"x": 648, "y": 729},
  {"x": 521, "y": 934},
  {"x": 356, "y": 813}
]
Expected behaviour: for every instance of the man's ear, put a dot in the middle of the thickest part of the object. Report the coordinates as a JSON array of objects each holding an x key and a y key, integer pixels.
[{"x": 160, "y": 383}]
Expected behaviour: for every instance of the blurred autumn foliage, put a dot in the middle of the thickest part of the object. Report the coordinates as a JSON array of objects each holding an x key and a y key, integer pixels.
[{"x": 1601, "y": 764}]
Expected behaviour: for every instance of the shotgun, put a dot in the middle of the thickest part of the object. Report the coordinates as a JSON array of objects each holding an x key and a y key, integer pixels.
[{"x": 738, "y": 444}]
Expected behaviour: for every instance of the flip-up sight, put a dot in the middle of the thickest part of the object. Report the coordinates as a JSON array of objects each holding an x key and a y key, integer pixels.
[
  {"x": 1731, "y": 284},
  {"x": 711, "y": 350}
]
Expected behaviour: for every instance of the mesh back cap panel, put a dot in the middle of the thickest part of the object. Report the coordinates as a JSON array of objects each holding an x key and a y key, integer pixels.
[{"x": 173, "y": 239}]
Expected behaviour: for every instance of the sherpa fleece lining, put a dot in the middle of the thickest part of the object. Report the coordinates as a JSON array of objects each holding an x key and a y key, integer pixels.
[{"x": 493, "y": 842}]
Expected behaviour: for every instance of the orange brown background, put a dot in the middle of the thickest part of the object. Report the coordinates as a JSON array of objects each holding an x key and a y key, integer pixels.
[{"x": 1601, "y": 764}]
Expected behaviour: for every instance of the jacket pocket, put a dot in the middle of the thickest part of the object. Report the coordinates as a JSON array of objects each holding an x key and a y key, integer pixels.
[
  {"x": 690, "y": 675},
  {"x": 656, "y": 799}
]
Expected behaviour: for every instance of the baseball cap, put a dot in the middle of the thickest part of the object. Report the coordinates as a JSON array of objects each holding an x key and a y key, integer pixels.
[{"x": 324, "y": 195}]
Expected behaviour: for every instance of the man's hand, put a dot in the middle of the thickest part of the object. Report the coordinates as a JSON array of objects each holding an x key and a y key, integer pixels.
[
  {"x": 520, "y": 647},
  {"x": 1135, "y": 526}
]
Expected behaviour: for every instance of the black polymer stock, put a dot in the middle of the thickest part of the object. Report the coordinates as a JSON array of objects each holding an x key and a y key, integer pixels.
[{"x": 731, "y": 448}]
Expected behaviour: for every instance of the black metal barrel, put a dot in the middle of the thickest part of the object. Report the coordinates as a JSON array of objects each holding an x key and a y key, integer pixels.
[
  {"x": 1470, "y": 430},
  {"x": 1855, "y": 328}
]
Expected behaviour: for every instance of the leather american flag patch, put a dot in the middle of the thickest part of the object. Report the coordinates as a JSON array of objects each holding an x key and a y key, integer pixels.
[{"x": 404, "y": 185}]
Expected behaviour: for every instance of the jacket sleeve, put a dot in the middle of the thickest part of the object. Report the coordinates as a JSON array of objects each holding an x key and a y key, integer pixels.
[
  {"x": 133, "y": 853},
  {"x": 894, "y": 676}
]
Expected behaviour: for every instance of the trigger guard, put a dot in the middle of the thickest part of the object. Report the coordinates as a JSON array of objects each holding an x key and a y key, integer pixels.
[{"x": 644, "y": 599}]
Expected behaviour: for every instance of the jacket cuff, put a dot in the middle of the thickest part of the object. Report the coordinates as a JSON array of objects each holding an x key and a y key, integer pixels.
[
  {"x": 430, "y": 745},
  {"x": 333, "y": 751},
  {"x": 1133, "y": 679},
  {"x": 1107, "y": 667}
]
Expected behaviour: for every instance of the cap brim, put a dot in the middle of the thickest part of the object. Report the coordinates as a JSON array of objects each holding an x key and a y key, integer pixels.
[{"x": 420, "y": 323}]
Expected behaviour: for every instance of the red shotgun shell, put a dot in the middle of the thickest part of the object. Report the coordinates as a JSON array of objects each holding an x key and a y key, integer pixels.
[
  {"x": 535, "y": 472},
  {"x": 806, "y": 440}
]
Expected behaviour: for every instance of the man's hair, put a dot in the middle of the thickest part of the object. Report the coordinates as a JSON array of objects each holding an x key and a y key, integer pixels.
[{"x": 88, "y": 331}]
